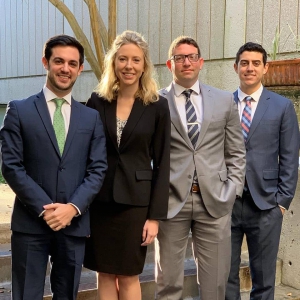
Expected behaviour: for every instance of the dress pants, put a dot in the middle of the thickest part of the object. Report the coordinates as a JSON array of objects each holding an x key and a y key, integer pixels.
[
  {"x": 211, "y": 248},
  {"x": 262, "y": 229},
  {"x": 30, "y": 255}
]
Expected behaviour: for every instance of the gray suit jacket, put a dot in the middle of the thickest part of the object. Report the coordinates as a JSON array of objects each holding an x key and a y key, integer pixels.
[
  {"x": 272, "y": 151},
  {"x": 219, "y": 156}
]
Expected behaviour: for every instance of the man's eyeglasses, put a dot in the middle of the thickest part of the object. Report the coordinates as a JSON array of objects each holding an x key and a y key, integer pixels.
[{"x": 180, "y": 58}]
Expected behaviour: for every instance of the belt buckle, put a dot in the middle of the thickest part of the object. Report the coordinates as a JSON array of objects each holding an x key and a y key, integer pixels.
[{"x": 195, "y": 188}]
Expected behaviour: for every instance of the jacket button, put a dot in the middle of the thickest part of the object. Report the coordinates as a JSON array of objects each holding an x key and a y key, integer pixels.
[{"x": 190, "y": 176}]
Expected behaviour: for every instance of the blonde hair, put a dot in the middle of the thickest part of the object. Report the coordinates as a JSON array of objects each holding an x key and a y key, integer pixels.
[{"x": 108, "y": 86}]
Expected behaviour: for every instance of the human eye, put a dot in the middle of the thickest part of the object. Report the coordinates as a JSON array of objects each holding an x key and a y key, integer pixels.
[
  {"x": 244, "y": 63},
  {"x": 73, "y": 64},
  {"x": 256, "y": 63},
  {"x": 193, "y": 57},
  {"x": 58, "y": 61},
  {"x": 136, "y": 60},
  {"x": 122, "y": 58},
  {"x": 179, "y": 58}
]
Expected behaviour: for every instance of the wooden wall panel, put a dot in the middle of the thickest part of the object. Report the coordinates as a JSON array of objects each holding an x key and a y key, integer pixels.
[
  {"x": 217, "y": 29},
  {"x": 271, "y": 14},
  {"x": 166, "y": 29},
  {"x": 143, "y": 18},
  {"x": 234, "y": 35},
  {"x": 122, "y": 16},
  {"x": 190, "y": 18},
  {"x": 178, "y": 18},
  {"x": 203, "y": 27},
  {"x": 154, "y": 33},
  {"x": 132, "y": 14},
  {"x": 288, "y": 25},
  {"x": 254, "y": 21}
]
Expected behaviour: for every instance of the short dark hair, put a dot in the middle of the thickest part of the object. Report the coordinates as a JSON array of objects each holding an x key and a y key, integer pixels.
[
  {"x": 63, "y": 40},
  {"x": 251, "y": 47},
  {"x": 183, "y": 40}
]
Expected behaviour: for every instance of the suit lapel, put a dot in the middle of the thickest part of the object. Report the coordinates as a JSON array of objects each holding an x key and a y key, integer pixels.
[
  {"x": 42, "y": 108},
  {"x": 110, "y": 111},
  {"x": 168, "y": 93},
  {"x": 136, "y": 112},
  {"x": 259, "y": 112},
  {"x": 74, "y": 121},
  {"x": 208, "y": 107}
]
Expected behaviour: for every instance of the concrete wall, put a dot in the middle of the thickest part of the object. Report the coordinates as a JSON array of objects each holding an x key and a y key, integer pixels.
[{"x": 290, "y": 243}]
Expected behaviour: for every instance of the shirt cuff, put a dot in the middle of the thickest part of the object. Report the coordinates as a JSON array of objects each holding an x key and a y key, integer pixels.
[
  {"x": 282, "y": 207},
  {"x": 78, "y": 210},
  {"x": 42, "y": 213}
]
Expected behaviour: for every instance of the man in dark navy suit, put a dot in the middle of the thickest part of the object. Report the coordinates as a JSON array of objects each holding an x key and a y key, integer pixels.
[
  {"x": 54, "y": 158},
  {"x": 271, "y": 134}
]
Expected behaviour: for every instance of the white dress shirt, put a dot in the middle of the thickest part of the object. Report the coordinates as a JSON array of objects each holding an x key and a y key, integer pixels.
[
  {"x": 65, "y": 109},
  {"x": 196, "y": 99},
  {"x": 255, "y": 96}
]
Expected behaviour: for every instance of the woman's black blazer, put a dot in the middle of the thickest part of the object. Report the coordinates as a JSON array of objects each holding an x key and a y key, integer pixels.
[{"x": 139, "y": 169}]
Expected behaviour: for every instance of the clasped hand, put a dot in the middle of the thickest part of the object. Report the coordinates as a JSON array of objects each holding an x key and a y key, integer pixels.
[{"x": 59, "y": 215}]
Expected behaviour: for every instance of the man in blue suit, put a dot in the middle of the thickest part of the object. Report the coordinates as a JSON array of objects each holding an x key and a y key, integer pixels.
[
  {"x": 54, "y": 159},
  {"x": 271, "y": 134}
]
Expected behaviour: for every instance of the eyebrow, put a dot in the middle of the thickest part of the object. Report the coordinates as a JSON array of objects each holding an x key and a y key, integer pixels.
[{"x": 246, "y": 60}]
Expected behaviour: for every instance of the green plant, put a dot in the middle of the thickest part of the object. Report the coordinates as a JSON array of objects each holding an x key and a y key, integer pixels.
[
  {"x": 276, "y": 42},
  {"x": 2, "y": 180}
]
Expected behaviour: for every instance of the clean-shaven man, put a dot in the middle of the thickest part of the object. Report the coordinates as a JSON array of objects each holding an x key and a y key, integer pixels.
[
  {"x": 207, "y": 174},
  {"x": 54, "y": 158},
  {"x": 271, "y": 135}
]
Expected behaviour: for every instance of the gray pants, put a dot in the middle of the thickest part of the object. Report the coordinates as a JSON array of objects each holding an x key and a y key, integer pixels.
[{"x": 211, "y": 247}]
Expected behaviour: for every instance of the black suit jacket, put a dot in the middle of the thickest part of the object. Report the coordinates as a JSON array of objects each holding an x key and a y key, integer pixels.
[
  {"x": 272, "y": 151},
  {"x": 138, "y": 170},
  {"x": 34, "y": 169}
]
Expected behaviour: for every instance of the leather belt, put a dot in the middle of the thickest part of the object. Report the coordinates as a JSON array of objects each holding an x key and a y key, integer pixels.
[{"x": 195, "y": 188}]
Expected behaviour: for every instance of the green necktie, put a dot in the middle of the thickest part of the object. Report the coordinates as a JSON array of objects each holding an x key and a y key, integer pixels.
[{"x": 59, "y": 124}]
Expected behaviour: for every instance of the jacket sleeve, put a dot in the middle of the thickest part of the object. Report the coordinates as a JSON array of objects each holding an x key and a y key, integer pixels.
[
  {"x": 234, "y": 150},
  {"x": 158, "y": 206},
  {"x": 31, "y": 195},
  {"x": 95, "y": 170},
  {"x": 288, "y": 156}
]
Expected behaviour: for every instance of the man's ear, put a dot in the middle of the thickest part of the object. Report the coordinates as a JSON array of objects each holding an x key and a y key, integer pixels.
[
  {"x": 80, "y": 69},
  {"x": 169, "y": 64},
  {"x": 235, "y": 68},
  {"x": 45, "y": 62},
  {"x": 266, "y": 68}
]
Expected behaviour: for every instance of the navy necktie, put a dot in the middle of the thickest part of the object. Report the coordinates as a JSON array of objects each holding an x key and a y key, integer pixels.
[{"x": 191, "y": 117}]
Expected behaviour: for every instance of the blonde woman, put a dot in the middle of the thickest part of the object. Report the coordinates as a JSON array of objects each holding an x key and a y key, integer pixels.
[{"x": 134, "y": 196}]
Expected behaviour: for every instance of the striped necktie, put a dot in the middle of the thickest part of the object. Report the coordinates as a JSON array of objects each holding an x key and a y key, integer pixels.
[
  {"x": 59, "y": 124},
  {"x": 191, "y": 117},
  {"x": 246, "y": 117}
]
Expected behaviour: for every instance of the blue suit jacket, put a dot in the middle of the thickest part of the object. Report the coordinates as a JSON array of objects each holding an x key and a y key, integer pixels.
[
  {"x": 272, "y": 151},
  {"x": 34, "y": 169}
]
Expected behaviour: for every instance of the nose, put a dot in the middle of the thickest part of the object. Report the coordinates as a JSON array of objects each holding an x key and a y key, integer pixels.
[
  {"x": 129, "y": 64},
  {"x": 65, "y": 67},
  {"x": 186, "y": 61},
  {"x": 250, "y": 66}
]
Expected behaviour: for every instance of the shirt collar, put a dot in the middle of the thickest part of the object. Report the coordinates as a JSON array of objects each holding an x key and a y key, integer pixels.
[
  {"x": 255, "y": 96},
  {"x": 179, "y": 89},
  {"x": 49, "y": 95}
]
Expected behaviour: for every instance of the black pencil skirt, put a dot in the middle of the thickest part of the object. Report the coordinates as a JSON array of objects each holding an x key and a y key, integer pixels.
[{"x": 114, "y": 245}]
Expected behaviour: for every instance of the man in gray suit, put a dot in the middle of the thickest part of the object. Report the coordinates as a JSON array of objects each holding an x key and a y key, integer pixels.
[
  {"x": 207, "y": 173},
  {"x": 271, "y": 133}
]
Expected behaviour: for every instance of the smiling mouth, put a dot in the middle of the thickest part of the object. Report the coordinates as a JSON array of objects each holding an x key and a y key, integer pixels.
[{"x": 64, "y": 77}]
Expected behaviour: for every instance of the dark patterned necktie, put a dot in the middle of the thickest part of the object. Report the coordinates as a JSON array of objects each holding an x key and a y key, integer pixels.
[
  {"x": 246, "y": 118},
  {"x": 191, "y": 117},
  {"x": 192, "y": 125}
]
